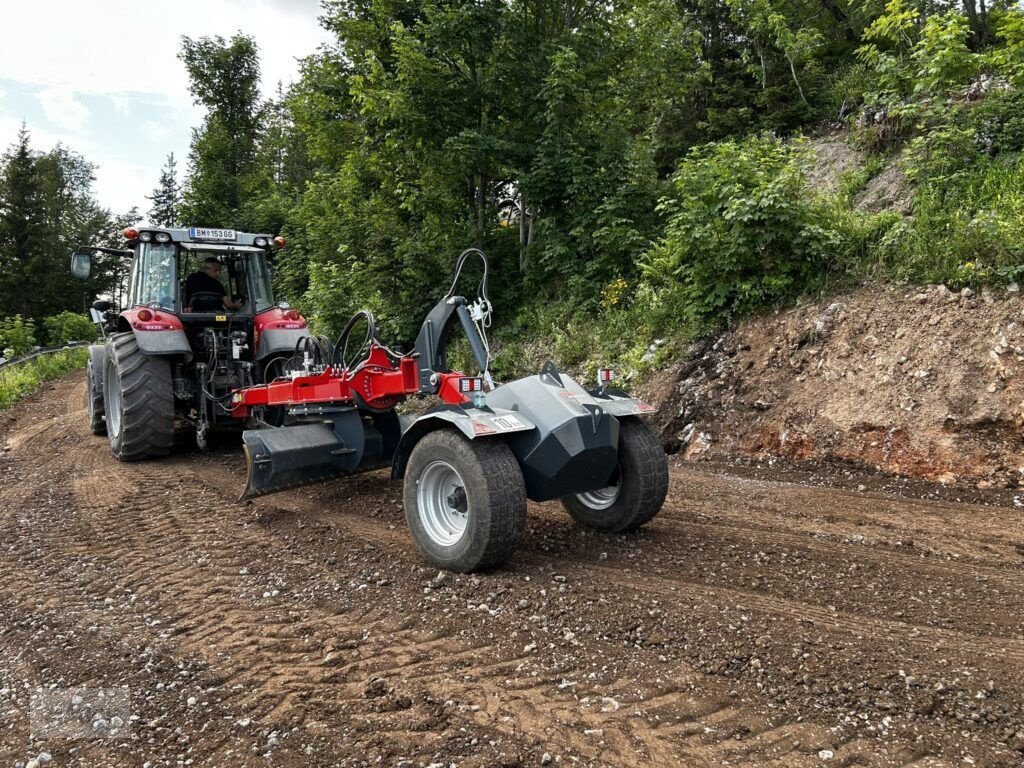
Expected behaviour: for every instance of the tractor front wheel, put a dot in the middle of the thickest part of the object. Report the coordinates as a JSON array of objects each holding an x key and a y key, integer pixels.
[
  {"x": 465, "y": 501},
  {"x": 637, "y": 489},
  {"x": 94, "y": 390},
  {"x": 139, "y": 400}
]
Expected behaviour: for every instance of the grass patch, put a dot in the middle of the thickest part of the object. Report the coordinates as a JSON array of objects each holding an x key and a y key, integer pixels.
[{"x": 19, "y": 380}]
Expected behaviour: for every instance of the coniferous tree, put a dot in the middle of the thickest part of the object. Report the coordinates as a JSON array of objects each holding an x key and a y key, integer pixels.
[
  {"x": 166, "y": 198},
  {"x": 22, "y": 227}
]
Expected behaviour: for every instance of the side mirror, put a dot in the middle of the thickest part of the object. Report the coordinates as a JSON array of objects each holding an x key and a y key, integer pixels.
[
  {"x": 81, "y": 264},
  {"x": 101, "y": 305}
]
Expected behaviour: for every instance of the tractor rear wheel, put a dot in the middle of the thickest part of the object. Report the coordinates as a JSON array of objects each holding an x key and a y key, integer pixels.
[
  {"x": 638, "y": 487},
  {"x": 465, "y": 501},
  {"x": 94, "y": 390},
  {"x": 139, "y": 399}
]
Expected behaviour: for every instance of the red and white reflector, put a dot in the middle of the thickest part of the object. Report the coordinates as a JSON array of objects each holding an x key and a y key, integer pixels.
[
  {"x": 605, "y": 376},
  {"x": 471, "y": 384}
]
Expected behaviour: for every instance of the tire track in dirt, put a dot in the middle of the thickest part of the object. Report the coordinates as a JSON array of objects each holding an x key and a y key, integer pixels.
[{"x": 361, "y": 655}]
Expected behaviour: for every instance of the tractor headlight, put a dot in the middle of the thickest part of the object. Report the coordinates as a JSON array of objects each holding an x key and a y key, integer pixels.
[
  {"x": 162, "y": 237},
  {"x": 146, "y": 237},
  {"x": 260, "y": 242}
]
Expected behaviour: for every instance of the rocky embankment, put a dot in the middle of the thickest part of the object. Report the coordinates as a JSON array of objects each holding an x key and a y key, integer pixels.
[{"x": 923, "y": 382}]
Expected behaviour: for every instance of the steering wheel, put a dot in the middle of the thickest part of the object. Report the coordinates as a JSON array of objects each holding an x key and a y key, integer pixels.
[{"x": 207, "y": 301}]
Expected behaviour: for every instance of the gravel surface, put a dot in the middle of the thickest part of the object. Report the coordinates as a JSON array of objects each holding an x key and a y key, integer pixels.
[{"x": 767, "y": 616}]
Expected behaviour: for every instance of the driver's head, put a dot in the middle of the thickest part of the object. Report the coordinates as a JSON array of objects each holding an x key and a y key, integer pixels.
[{"x": 212, "y": 267}]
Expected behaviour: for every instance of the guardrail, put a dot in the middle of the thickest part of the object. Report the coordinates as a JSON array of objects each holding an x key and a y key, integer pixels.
[{"x": 42, "y": 351}]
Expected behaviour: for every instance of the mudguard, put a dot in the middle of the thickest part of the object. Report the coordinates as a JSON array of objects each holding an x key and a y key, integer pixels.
[
  {"x": 472, "y": 422},
  {"x": 274, "y": 341},
  {"x": 617, "y": 403},
  {"x": 168, "y": 342},
  {"x": 98, "y": 357}
]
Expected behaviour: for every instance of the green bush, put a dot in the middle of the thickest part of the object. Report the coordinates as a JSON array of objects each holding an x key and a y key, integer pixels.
[
  {"x": 744, "y": 229},
  {"x": 19, "y": 380},
  {"x": 68, "y": 327},
  {"x": 966, "y": 229},
  {"x": 17, "y": 336}
]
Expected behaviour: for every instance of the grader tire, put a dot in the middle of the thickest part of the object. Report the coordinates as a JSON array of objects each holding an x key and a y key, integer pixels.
[
  {"x": 639, "y": 490},
  {"x": 465, "y": 501}
]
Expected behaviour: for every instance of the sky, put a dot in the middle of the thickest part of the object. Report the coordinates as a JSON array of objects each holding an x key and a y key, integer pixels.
[{"x": 102, "y": 77}]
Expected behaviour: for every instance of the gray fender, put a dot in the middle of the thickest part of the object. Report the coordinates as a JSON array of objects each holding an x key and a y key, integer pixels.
[
  {"x": 618, "y": 404},
  {"x": 164, "y": 343},
  {"x": 274, "y": 341},
  {"x": 98, "y": 357},
  {"x": 474, "y": 423}
]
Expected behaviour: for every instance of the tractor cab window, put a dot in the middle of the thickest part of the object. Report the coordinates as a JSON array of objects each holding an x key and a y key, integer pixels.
[
  {"x": 154, "y": 278},
  {"x": 262, "y": 296}
]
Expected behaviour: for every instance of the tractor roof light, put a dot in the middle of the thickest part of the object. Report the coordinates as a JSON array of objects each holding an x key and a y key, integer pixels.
[
  {"x": 131, "y": 233},
  {"x": 146, "y": 237},
  {"x": 280, "y": 242},
  {"x": 162, "y": 237},
  {"x": 260, "y": 242}
]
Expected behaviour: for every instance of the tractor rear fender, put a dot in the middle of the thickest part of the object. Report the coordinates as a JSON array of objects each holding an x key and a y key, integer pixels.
[
  {"x": 473, "y": 423},
  {"x": 164, "y": 343},
  {"x": 276, "y": 341}
]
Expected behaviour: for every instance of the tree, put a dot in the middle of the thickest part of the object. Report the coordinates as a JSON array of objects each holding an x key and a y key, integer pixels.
[
  {"x": 46, "y": 210},
  {"x": 166, "y": 198},
  {"x": 223, "y": 78},
  {"x": 22, "y": 226}
]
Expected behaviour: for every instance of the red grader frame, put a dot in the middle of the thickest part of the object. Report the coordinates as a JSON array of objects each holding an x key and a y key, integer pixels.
[{"x": 320, "y": 409}]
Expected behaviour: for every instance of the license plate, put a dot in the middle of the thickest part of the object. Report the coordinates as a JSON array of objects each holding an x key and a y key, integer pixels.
[{"x": 202, "y": 233}]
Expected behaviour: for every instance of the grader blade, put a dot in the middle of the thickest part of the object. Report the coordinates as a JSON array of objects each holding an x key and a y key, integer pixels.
[{"x": 288, "y": 457}]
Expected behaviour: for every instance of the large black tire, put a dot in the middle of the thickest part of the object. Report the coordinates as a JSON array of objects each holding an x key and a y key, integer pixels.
[
  {"x": 465, "y": 501},
  {"x": 94, "y": 390},
  {"x": 640, "y": 490},
  {"x": 139, "y": 400}
]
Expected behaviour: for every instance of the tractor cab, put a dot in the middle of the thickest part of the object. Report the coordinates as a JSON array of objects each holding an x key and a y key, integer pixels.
[{"x": 200, "y": 302}]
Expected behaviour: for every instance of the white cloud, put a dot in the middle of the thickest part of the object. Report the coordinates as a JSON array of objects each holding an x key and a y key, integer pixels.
[
  {"x": 155, "y": 131},
  {"x": 63, "y": 108},
  {"x": 146, "y": 109}
]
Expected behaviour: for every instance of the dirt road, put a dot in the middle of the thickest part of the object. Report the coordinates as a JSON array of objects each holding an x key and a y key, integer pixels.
[{"x": 756, "y": 621}]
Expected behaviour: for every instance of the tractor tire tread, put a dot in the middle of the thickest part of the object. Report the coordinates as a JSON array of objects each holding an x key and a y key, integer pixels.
[
  {"x": 94, "y": 391},
  {"x": 147, "y": 401}
]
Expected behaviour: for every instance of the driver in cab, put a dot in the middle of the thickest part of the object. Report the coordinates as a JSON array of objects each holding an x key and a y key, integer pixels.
[{"x": 204, "y": 291}]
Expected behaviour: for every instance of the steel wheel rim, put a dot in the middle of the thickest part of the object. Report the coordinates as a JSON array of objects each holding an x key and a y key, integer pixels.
[
  {"x": 442, "y": 503},
  {"x": 112, "y": 398},
  {"x": 602, "y": 498}
]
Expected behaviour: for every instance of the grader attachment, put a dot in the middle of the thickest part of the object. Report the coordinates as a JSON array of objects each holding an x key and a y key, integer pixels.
[{"x": 468, "y": 465}]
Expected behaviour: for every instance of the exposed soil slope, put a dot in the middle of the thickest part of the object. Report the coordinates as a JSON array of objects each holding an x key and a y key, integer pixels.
[
  {"x": 757, "y": 621},
  {"x": 918, "y": 381}
]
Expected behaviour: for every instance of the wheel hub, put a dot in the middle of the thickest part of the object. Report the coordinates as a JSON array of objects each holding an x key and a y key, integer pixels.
[{"x": 442, "y": 503}]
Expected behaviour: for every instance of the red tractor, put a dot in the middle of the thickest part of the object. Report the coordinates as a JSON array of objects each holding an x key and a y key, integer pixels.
[{"x": 175, "y": 351}]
